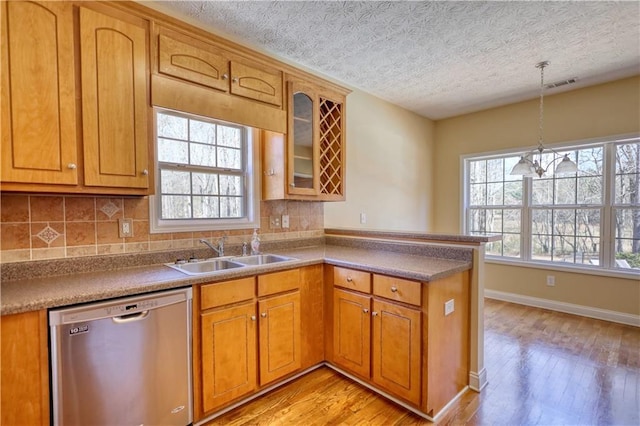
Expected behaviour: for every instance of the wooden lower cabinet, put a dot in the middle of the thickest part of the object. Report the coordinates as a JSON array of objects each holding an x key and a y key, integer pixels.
[
  {"x": 396, "y": 336},
  {"x": 379, "y": 341},
  {"x": 395, "y": 349},
  {"x": 24, "y": 396},
  {"x": 279, "y": 336},
  {"x": 249, "y": 333},
  {"x": 228, "y": 354},
  {"x": 352, "y": 331}
]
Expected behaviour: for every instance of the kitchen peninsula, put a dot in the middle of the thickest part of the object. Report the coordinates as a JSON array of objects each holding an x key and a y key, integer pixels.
[{"x": 401, "y": 274}]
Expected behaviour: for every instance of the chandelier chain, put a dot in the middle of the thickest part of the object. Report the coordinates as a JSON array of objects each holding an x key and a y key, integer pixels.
[{"x": 540, "y": 130}]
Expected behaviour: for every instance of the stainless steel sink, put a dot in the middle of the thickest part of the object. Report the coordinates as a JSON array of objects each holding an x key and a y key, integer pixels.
[
  {"x": 261, "y": 259},
  {"x": 205, "y": 266}
]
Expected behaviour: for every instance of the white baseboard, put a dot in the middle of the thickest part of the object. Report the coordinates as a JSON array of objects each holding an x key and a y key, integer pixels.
[
  {"x": 478, "y": 380},
  {"x": 570, "y": 308}
]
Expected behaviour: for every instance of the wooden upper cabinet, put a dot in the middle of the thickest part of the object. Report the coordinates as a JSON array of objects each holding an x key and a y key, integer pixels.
[
  {"x": 257, "y": 82},
  {"x": 196, "y": 61},
  {"x": 192, "y": 60},
  {"x": 114, "y": 67},
  {"x": 38, "y": 93},
  {"x": 310, "y": 165}
]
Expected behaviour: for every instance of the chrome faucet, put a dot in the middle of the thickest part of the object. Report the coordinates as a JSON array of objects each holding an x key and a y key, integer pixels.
[{"x": 219, "y": 249}]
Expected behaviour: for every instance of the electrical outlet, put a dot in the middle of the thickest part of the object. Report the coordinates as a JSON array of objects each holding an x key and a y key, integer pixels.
[
  {"x": 274, "y": 222},
  {"x": 363, "y": 218},
  {"x": 125, "y": 228},
  {"x": 449, "y": 307},
  {"x": 285, "y": 220},
  {"x": 551, "y": 280}
]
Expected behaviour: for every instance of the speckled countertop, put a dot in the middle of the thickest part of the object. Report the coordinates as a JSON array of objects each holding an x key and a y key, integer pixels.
[{"x": 40, "y": 293}]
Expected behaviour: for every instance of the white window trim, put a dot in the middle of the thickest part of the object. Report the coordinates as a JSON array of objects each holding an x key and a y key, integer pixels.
[
  {"x": 253, "y": 182},
  {"x": 608, "y": 240}
]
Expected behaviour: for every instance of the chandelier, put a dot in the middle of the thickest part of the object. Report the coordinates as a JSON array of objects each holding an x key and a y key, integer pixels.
[{"x": 529, "y": 165}]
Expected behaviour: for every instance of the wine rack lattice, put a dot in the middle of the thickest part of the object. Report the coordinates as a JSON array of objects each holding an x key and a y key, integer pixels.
[{"x": 331, "y": 167}]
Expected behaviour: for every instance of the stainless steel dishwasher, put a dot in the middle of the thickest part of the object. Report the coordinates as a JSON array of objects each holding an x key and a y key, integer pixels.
[{"x": 123, "y": 362}]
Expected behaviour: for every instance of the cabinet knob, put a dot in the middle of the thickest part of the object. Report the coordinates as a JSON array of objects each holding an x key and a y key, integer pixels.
[
  {"x": 394, "y": 289},
  {"x": 365, "y": 310},
  {"x": 225, "y": 76},
  {"x": 145, "y": 172},
  {"x": 253, "y": 317},
  {"x": 349, "y": 279},
  {"x": 374, "y": 314},
  {"x": 263, "y": 315},
  {"x": 235, "y": 79},
  {"x": 292, "y": 184},
  {"x": 72, "y": 166}
]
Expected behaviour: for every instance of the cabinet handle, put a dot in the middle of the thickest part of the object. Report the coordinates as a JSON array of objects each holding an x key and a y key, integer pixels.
[
  {"x": 263, "y": 315},
  {"x": 145, "y": 172},
  {"x": 225, "y": 76},
  {"x": 234, "y": 79},
  {"x": 365, "y": 310},
  {"x": 374, "y": 314},
  {"x": 349, "y": 279},
  {"x": 394, "y": 289},
  {"x": 71, "y": 166},
  {"x": 253, "y": 317}
]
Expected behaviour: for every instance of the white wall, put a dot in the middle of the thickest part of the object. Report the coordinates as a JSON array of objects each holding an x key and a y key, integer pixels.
[{"x": 389, "y": 164}]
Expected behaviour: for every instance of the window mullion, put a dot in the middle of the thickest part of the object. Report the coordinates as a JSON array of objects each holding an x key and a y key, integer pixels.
[
  {"x": 526, "y": 219},
  {"x": 607, "y": 229}
]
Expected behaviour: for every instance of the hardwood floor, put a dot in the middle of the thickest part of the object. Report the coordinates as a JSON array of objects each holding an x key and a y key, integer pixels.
[{"x": 544, "y": 368}]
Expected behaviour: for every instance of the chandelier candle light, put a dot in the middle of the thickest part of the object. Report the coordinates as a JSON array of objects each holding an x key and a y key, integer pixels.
[{"x": 528, "y": 164}]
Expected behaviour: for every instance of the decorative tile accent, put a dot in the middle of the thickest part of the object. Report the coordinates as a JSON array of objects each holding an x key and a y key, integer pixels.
[
  {"x": 48, "y": 234},
  {"x": 110, "y": 209}
]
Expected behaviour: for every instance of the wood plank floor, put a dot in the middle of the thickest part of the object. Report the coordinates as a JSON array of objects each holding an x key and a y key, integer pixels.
[{"x": 544, "y": 368}]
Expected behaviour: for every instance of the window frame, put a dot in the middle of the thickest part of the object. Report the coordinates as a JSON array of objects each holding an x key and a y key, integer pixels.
[
  {"x": 251, "y": 182},
  {"x": 606, "y": 266}
]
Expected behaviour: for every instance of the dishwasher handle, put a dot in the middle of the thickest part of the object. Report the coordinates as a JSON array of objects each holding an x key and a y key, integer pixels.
[{"x": 123, "y": 319}]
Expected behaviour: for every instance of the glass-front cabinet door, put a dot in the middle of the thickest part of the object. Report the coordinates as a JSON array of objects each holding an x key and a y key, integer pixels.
[{"x": 302, "y": 145}]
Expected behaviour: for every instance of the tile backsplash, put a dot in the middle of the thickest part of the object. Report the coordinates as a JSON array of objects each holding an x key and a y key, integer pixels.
[{"x": 36, "y": 227}]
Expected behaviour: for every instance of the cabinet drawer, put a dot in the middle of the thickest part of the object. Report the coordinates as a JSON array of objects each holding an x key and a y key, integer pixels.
[
  {"x": 224, "y": 293},
  {"x": 352, "y": 279},
  {"x": 278, "y": 282},
  {"x": 397, "y": 289}
]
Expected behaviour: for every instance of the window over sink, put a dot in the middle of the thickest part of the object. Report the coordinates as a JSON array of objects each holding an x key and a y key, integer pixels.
[{"x": 206, "y": 174}]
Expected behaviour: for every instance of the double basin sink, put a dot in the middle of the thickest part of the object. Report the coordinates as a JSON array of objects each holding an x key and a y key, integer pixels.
[{"x": 210, "y": 266}]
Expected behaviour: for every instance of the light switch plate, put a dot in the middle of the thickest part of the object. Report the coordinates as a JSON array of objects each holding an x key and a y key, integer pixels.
[
  {"x": 449, "y": 307},
  {"x": 125, "y": 228},
  {"x": 285, "y": 220}
]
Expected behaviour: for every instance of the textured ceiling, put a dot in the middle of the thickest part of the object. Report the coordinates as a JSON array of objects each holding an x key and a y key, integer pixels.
[{"x": 439, "y": 59}]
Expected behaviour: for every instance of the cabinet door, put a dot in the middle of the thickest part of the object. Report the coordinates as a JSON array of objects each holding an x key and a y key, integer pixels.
[
  {"x": 193, "y": 60},
  {"x": 302, "y": 140},
  {"x": 38, "y": 93},
  {"x": 395, "y": 347},
  {"x": 25, "y": 369},
  {"x": 279, "y": 336},
  {"x": 113, "y": 56},
  {"x": 256, "y": 82},
  {"x": 228, "y": 354},
  {"x": 351, "y": 331}
]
